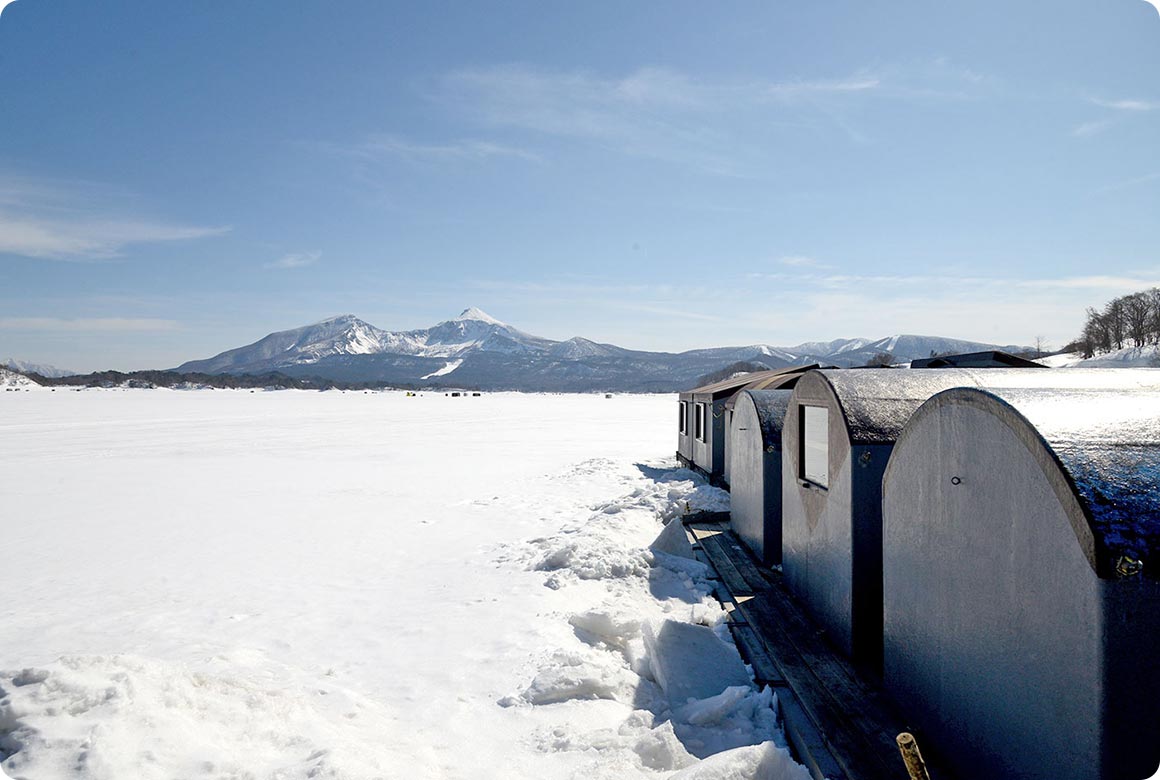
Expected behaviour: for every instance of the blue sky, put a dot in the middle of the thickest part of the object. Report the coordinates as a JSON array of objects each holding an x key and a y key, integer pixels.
[{"x": 180, "y": 178}]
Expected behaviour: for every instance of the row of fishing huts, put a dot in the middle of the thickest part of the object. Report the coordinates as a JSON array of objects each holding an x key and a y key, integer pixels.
[{"x": 984, "y": 541}]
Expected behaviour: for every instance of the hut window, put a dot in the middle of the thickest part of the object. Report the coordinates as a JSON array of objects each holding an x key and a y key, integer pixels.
[
  {"x": 699, "y": 422},
  {"x": 684, "y": 422},
  {"x": 815, "y": 438}
]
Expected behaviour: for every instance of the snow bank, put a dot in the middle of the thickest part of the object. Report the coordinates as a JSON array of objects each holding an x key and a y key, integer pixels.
[
  {"x": 654, "y": 640},
  {"x": 759, "y": 762},
  {"x": 100, "y": 716},
  {"x": 1128, "y": 357}
]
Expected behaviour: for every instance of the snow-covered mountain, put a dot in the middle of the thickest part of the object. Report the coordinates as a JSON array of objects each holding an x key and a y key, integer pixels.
[
  {"x": 478, "y": 350},
  {"x": 472, "y": 331},
  {"x": 28, "y": 367},
  {"x": 10, "y": 379}
]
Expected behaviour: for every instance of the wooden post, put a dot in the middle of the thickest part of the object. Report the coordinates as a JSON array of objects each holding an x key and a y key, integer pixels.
[{"x": 912, "y": 757}]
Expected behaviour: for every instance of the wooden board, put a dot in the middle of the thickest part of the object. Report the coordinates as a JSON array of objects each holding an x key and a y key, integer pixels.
[{"x": 840, "y": 724}]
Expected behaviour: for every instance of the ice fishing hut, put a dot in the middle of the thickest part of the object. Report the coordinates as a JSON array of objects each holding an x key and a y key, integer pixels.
[
  {"x": 1021, "y": 580},
  {"x": 839, "y": 428},
  {"x": 703, "y": 422},
  {"x": 783, "y": 379},
  {"x": 755, "y": 436}
]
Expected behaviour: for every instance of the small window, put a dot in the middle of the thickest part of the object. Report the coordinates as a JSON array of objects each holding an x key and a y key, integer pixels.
[
  {"x": 815, "y": 437},
  {"x": 684, "y": 421},
  {"x": 699, "y": 422}
]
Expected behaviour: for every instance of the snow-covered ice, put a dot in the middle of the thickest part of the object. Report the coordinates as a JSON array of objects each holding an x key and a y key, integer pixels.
[{"x": 228, "y": 584}]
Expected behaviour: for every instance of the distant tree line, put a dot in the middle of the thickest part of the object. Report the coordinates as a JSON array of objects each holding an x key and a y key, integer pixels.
[
  {"x": 1128, "y": 321},
  {"x": 273, "y": 380}
]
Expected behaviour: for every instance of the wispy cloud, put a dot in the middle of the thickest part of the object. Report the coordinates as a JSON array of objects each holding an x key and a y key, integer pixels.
[
  {"x": 1093, "y": 128},
  {"x": 1097, "y": 283},
  {"x": 801, "y": 261},
  {"x": 1133, "y": 182},
  {"x": 1122, "y": 110},
  {"x": 468, "y": 150},
  {"x": 1127, "y": 105},
  {"x": 716, "y": 125},
  {"x": 294, "y": 260},
  {"x": 805, "y": 305},
  {"x": 51, "y": 220},
  {"x": 86, "y": 324},
  {"x": 87, "y": 238}
]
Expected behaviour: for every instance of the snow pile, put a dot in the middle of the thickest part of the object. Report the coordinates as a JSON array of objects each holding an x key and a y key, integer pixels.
[
  {"x": 222, "y": 716},
  {"x": 654, "y": 642}
]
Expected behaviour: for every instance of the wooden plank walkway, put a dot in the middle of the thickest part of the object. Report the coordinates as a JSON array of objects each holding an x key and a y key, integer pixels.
[{"x": 839, "y": 724}]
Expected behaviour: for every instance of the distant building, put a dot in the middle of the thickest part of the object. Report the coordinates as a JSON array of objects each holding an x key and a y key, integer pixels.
[
  {"x": 1021, "y": 579},
  {"x": 989, "y": 359}
]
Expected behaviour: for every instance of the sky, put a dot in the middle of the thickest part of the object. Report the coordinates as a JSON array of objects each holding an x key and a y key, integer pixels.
[{"x": 177, "y": 179}]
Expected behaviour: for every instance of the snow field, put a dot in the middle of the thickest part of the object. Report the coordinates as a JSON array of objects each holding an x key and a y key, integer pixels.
[{"x": 288, "y": 585}]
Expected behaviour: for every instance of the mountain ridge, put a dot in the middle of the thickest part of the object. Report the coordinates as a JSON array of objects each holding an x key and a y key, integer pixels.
[{"x": 478, "y": 350}]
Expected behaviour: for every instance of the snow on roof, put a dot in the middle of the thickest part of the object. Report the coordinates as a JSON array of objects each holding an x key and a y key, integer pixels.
[
  {"x": 877, "y": 403},
  {"x": 770, "y": 406},
  {"x": 1107, "y": 442},
  {"x": 774, "y": 377}
]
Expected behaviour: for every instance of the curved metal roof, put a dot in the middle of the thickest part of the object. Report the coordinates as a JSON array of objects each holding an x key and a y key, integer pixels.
[
  {"x": 770, "y": 406},
  {"x": 773, "y": 378},
  {"x": 877, "y": 403},
  {"x": 1106, "y": 445}
]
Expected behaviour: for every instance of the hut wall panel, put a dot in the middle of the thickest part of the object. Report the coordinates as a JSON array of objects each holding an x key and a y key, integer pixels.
[
  {"x": 992, "y": 612},
  {"x": 727, "y": 468},
  {"x": 867, "y": 465},
  {"x": 685, "y": 440},
  {"x": 1131, "y": 632},
  {"x": 702, "y": 449},
  {"x": 831, "y": 537},
  {"x": 817, "y": 540},
  {"x": 716, "y": 437},
  {"x": 755, "y": 494}
]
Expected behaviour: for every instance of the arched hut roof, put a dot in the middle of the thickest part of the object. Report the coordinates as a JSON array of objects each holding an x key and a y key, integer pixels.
[
  {"x": 777, "y": 377},
  {"x": 1100, "y": 451},
  {"x": 770, "y": 406},
  {"x": 877, "y": 403},
  {"x": 782, "y": 379}
]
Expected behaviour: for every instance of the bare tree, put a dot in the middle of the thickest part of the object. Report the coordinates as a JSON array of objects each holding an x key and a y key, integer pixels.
[
  {"x": 1115, "y": 322},
  {"x": 1154, "y": 314},
  {"x": 1137, "y": 312}
]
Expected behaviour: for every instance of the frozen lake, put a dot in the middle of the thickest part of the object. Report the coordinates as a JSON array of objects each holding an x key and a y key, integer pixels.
[{"x": 293, "y": 584}]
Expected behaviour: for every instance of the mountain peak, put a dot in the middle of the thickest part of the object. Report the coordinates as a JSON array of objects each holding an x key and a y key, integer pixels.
[
  {"x": 477, "y": 315},
  {"x": 341, "y": 318}
]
